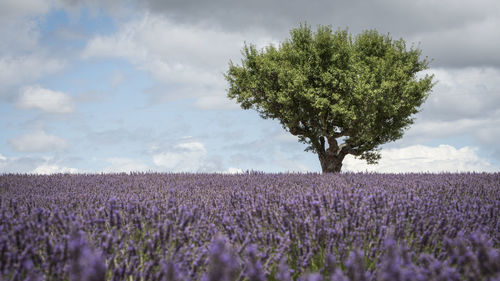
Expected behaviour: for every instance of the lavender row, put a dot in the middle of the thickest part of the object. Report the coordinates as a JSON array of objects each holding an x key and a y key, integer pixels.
[{"x": 252, "y": 226}]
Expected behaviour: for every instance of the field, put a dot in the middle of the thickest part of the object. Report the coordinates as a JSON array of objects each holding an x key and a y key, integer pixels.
[{"x": 253, "y": 226}]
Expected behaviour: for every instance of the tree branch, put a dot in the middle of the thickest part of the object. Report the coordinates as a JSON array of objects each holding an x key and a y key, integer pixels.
[
  {"x": 325, "y": 125},
  {"x": 332, "y": 143},
  {"x": 296, "y": 130},
  {"x": 322, "y": 143},
  {"x": 339, "y": 134},
  {"x": 345, "y": 148}
]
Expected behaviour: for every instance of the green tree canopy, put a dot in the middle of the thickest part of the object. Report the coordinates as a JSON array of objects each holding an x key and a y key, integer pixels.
[{"x": 340, "y": 94}]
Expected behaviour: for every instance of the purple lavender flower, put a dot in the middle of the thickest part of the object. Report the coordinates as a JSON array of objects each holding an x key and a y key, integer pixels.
[
  {"x": 153, "y": 225},
  {"x": 223, "y": 264},
  {"x": 253, "y": 270},
  {"x": 85, "y": 265}
]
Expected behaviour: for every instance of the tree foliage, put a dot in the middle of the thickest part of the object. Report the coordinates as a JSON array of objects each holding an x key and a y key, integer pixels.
[{"x": 329, "y": 87}]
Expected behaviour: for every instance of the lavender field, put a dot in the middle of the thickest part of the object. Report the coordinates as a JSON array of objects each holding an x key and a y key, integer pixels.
[{"x": 254, "y": 226}]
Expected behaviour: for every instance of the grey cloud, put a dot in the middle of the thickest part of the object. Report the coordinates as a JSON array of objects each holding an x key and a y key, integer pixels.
[
  {"x": 278, "y": 15},
  {"x": 468, "y": 93},
  {"x": 463, "y": 106},
  {"x": 488, "y": 135},
  {"x": 473, "y": 44},
  {"x": 16, "y": 9},
  {"x": 390, "y": 15},
  {"x": 453, "y": 34}
]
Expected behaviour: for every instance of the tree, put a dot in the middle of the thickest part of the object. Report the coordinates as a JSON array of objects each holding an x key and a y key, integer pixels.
[{"x": 337, "y": 93}]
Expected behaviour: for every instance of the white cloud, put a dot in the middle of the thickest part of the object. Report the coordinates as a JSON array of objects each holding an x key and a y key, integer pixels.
[
  {"x": 34, "y": 165},
  {"x": 45, "y": 99},
  {"x": 121, "y": 164},
  {"x": 38, "y": 141},
  {"x": 185, "y": 157},
  {"x": 22, "y": 58},
  {"x": 192, "y": 58},
  {"x": 15, "y": 70},
  {"x": 191, "y": 146},
  {"x": 232, "y": 170},
  {"x": 464, "y": 104},
  {"x": 420, "y": 158},
  {"x": 173, "y": 47},
  {"x": 47, "y": 169}
]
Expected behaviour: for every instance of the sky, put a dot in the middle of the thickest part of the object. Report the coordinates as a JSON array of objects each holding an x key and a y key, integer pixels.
[{"x": 120, "y": 86}]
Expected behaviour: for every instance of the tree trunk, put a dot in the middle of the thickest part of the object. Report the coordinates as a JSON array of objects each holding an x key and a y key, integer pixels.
[
  {"x": 331, "y": 158},
  {"x": 331, "y": 162}
]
